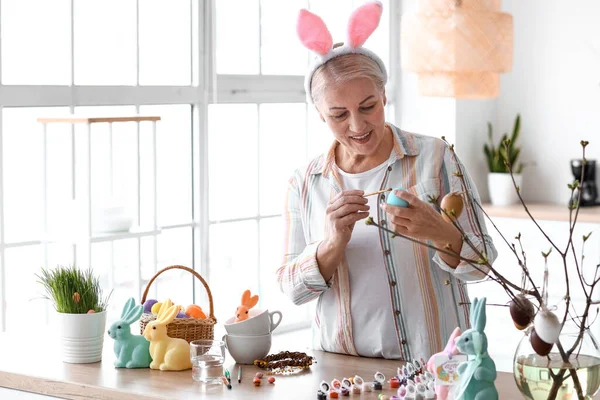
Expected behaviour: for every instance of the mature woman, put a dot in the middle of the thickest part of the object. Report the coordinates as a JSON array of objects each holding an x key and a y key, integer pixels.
[{"x": 378, "y": 296}]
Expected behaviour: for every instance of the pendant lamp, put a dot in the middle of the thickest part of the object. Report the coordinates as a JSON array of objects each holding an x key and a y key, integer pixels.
[{"x": 458, "y": 48}]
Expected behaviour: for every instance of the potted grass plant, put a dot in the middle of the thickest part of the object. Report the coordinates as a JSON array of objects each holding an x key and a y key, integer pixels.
[
  {"x": 80, "y": 311},
  {"x": 500, "y": 180}
]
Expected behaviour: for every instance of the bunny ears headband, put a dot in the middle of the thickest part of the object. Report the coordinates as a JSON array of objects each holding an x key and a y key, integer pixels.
[{"x": 315, "y": 36}]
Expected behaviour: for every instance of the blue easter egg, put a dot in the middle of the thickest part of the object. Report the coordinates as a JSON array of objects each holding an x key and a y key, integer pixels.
[
  {"x": 181, "y": 315},
  {"x": 394, "y": 200}
]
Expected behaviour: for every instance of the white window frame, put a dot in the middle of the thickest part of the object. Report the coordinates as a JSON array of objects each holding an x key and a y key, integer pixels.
[
  {"x": 81, "y": 95},
  {"x": 206, "y": 88}
]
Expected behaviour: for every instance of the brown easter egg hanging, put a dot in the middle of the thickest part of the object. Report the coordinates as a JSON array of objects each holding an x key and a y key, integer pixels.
[
  {"x": 521, "y": 311},
  {"x": 453, "y": 204},
  {"x": 540, "y": 347}
]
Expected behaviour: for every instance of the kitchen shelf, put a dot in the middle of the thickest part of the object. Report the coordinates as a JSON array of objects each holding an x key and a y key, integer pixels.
[{"x": 544, "y": 211}]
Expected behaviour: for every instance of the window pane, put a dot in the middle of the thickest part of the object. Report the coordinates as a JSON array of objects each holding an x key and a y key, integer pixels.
[
  {"x": 233, "y": 169},
  {"x": 165, "y": 52},
  {"x": 237, "y": 37},
  {"x": 320, "y": 137},
  {"x": 271, "y": 255},
  {"x": 379, "y": 42},
  {"x": 35, "y": 45},
  {"x": 122, "y": 191},
  {"x": 105, "y": 42},
  {"x": 282, "y": 150},
  {"x": 281, "y": 51},
  {"x": 174, "y": 162},
  {"x": 175, "y": 248},
  {"x": 24, "y": 296},
  {"x": 148, "y": 267},
  {"x": 116, "y": 264},
  {"x": 22, "y": 152},
  {"x": 232, "y": 272}
]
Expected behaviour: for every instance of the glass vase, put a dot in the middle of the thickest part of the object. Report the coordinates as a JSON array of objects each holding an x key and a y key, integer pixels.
[{"x": 551, "y": 377}]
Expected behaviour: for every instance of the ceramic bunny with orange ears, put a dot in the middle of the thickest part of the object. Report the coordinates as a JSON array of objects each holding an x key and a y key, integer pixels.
[
  {"x": 168, "y": 354},
  {"x": 441, "y": 390},
  {"x": 241, "y": 313}
]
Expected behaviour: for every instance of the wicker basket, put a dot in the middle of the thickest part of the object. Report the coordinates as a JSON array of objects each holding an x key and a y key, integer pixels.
[{"x": 184, "y": 328}]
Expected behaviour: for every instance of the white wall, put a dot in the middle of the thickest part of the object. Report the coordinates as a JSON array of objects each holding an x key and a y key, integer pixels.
[{"x": 554, "y": 84}]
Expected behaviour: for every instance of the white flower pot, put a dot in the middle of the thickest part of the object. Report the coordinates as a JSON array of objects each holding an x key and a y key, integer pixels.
[
  {"x": 502, "y": 189},
  {"x": 81, "y": 336}
]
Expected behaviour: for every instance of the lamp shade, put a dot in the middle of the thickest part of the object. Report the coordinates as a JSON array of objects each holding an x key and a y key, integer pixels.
[{"x": 457, "y": 47}]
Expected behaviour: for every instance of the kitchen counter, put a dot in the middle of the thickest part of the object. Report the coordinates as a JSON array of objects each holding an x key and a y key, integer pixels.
[
  {"x": 551, "y": 212},
  {"x": 36, "y": 368}
]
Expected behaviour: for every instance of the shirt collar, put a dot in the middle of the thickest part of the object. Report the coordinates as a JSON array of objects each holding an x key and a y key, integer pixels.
[{"x": 404, "y": 145}]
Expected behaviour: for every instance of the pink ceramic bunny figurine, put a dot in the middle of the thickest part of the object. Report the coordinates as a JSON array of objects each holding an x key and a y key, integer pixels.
[{"x": 441, "y": 390}]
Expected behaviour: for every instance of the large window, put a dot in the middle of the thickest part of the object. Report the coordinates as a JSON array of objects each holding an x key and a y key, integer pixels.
[
  {"x": 225, "y": 76},
  {"x": 109, "y": 58}
]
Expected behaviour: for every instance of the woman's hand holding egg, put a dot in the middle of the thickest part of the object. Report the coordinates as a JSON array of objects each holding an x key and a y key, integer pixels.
[{"x": 418, "y": 220}]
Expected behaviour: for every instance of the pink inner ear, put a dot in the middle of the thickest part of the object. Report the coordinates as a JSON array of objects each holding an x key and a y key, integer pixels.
[
  {"x": 363, "y": 21},
  {"x": 313, "y": 33}
]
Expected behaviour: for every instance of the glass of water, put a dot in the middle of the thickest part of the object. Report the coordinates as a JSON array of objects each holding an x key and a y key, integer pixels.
[{"x": 207, "y": 358}]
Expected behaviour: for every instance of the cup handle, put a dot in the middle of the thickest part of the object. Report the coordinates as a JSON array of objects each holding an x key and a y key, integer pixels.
[
  {"x": 224, "y": 339},
  {"x": 273, "y": 323}
]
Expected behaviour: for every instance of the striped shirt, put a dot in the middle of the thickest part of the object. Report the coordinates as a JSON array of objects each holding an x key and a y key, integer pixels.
[{"x": 424, "y": 292}]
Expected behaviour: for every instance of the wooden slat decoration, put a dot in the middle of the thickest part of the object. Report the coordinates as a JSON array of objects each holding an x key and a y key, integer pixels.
[{"x": 93, "y": 120}]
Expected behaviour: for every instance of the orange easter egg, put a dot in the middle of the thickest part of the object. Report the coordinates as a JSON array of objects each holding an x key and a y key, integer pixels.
[
  {"x": 195, "y": 311},
  {"x": 453, "y": 204}
]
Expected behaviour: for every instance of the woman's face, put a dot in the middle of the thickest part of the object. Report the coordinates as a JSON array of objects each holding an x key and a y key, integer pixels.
[{"x": 354, "y": 112}]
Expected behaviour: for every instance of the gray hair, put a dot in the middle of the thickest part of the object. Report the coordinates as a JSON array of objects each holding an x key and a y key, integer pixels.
[{"x": 345, "y": 68}]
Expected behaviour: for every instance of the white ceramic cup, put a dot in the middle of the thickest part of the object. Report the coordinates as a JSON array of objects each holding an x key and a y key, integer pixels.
[
  {"x": 259, "y": 322},
  {"x": 246, "y": 349}
]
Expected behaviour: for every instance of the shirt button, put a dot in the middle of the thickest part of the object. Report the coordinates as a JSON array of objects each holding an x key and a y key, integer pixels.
[
  {"x": 387, "y": 252},
  {"x": 382, "y": 198},
  {"x": 403, "y": 341},
  {"x": 390, "y": 168},
  {"x": 383, "y": 223},
  {"x": 397, "y": 312},
  {"x": 393, "y": 283}
]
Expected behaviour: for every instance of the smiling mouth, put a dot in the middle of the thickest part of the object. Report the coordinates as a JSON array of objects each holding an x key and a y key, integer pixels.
[{"x": 362, "y": 138}]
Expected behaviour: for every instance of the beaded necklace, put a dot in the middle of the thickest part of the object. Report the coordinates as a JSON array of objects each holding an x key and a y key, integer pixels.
[{"x": 285, "y": 362}]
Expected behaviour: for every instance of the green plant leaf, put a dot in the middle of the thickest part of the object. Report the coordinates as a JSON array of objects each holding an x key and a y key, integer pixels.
[
  {"x": 489, "y": 157},
  {"x": 72, "y": 290},
  {"x": 516, "y": 129}
]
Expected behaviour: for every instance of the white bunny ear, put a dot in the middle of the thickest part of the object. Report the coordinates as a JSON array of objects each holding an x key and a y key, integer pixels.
[
  {"x": 363, "y": 21},
  {"x": 313, "y": 33}
]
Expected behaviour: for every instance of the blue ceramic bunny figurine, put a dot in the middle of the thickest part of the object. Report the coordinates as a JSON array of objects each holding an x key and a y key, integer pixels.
[
  {"x": 477, "y": 375},
  {"x": 132, "y": 351}
]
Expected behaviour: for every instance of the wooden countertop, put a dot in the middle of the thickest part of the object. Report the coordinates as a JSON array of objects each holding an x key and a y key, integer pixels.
[
  {"x": 551, "y": 212},
  {"x": 35, "y": 368}
]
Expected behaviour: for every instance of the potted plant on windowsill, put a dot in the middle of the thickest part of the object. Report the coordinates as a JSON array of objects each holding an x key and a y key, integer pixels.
[
  {"x": 500, "y": 182},
  {"x": 80, "y": 316}
]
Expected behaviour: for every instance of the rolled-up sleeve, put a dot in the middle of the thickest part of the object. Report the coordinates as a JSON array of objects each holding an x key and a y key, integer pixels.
[
  {"x": 472, "y": 221},
  {"x": 299, "y": 276}
]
